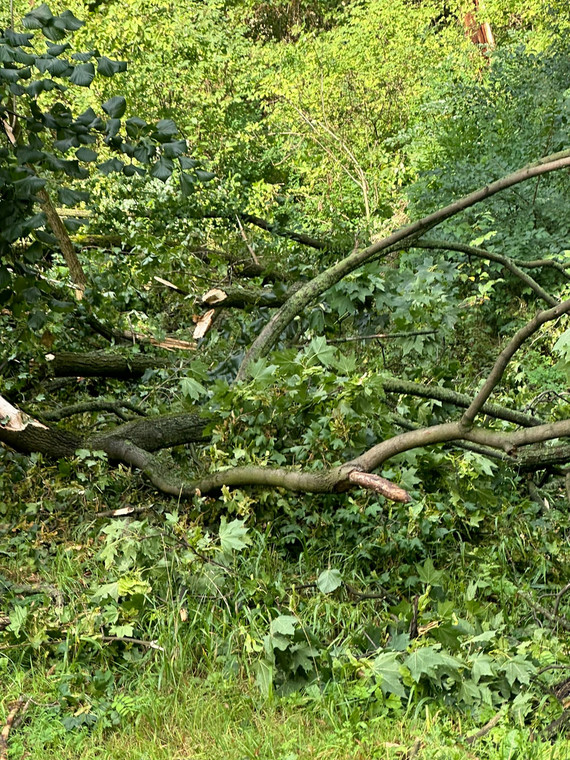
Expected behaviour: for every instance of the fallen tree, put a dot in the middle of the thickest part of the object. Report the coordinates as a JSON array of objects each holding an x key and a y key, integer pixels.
[{"x": 135, "y": 442}]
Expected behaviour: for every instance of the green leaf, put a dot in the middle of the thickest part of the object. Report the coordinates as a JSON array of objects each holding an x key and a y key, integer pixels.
[
  {"x": 261, "y": 373},
  {"x": 187, "y": 163},
  {"x": 56, "y": 50},
  {"x": 18, "y": 618},
  {"x": 427, "y": 661},
  {"x": 428, "y": 574},
  {"x": 54, "y": 66},
  {"x": 482, "y": 665},
  {"x": 191, "y": 388},
  {"x": 187, "y": 184},
  {"x": 165, "y": 129},
  {"x": 387, "y": 666},
  {"x": 5, "y": 277},
  {"x": 28, "y": 186},
  {"x": 105, "y": 591},
  {"x": 283, "y": 625},
  {"x": 86, "y": 154},
  {"x": 319, "y": 351},
  {"x": 112, "y": 165},
  {"x": 174, "y": 149},
  {"x": 115, "y": 107},
  {"x": 204, "y": 176},
  {"x": 264, "y": 677},
  {"x": 162, "y": 169},
  {"x": 36, "y": 320},
  {"x": 518, "y": 669},
  {"x": 69, "y": 197},
  {"x": 108, "y": 68},
  {"x": 83, "y": 74},
  {"x": 328, "y": 581},
  {"x": 70, "y": 22},
  {"x": 37, "y": 18},
  {"x": 14, "y": 38},
  {"x": 135, "y": 126},
  {"x": 233, "y": 535}
]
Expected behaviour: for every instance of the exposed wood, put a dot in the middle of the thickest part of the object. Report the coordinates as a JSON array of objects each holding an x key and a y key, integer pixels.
[
  {"x": 203, "y": 324},
  {"x": 19, "y": 708}
]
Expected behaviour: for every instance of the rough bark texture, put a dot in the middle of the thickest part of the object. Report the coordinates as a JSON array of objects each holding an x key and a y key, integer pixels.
[
  {"x": 69, "y": 364},
  {"x": 67, "y": 248}
]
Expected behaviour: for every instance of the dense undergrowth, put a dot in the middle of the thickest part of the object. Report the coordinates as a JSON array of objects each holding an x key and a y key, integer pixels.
[
  {"x": 260, "y": 623},
  {"x": 358, "y": 614}
]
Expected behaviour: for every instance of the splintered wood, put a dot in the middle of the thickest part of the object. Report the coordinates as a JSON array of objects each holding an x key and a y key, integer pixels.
[{"x": 376, "y": 483}]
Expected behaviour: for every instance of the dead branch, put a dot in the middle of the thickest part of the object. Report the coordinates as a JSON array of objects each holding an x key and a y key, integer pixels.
[
  {"x": 556, "y": 619},
  {"x": 472, "y": 738},
  {"x": 19, "y": 708}
]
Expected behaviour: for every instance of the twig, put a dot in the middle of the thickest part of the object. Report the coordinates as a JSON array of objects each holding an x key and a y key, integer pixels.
[
  {"x": 551, "y": 667},
  {"x": 366, "y": 594},
  {"x": 485, "y": 730},
  {"x": 246, "y": 241},
  {"x": 558, "y": 597},
  {"x": 562, "y": 622},
  {"x": 129, "y": 640},
  {"x": 19, "y": 708},
  {"x": 382, "y": 336},
  {"x": 414, "y": 621},
  {"x": 123, "y": 511},
  {"x": 413, "y": 751},
  {"x": 554, "y": 728},
  {"x": 36, "y": 588}
]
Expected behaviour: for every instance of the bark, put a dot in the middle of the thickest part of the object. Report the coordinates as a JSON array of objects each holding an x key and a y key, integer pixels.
[
  {"x": 229, "y": 296},
  {"x": 68, "y": 364},
  {"x": 67, "y": 248},
  {"x": 436, "y": 392},
  {"x": 27, "y": 435},
  {"x": 402, "y": 238}
]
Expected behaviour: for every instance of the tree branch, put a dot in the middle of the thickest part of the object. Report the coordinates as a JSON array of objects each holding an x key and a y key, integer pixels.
[
  {"x": 323, "y": 281},
  {"x": 490, "y": 256},
  {"x": 506, "y": 355}
]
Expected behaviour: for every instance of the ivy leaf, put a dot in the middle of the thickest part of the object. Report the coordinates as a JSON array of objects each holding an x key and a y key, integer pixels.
[
  {"x": 387, "y": 666},
  {"x": 233, "y": 535},
  {"x": 328, "y": 581}
]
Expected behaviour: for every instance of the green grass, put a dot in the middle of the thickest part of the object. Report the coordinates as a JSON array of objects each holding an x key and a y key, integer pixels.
[{"x": 210, "y": 719}]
